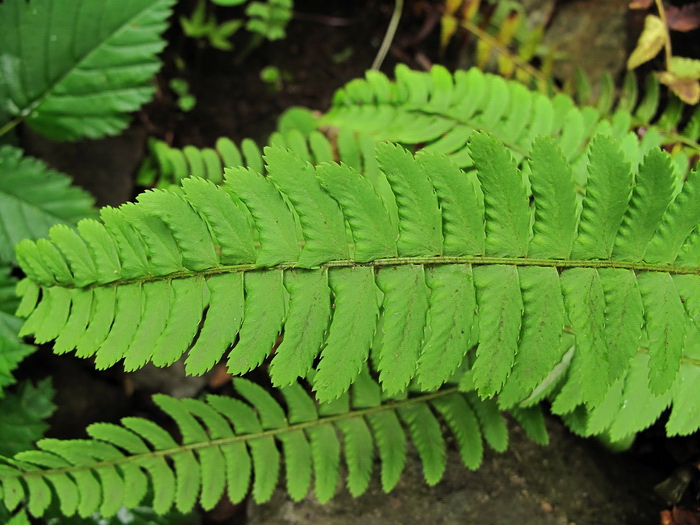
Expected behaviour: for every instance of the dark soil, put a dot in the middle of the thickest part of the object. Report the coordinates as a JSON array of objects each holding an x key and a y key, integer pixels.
[{"x": 328, "y": 44}]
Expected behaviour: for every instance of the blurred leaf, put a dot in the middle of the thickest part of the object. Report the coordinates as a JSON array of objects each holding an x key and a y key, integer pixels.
[
  {"x": 12, "y": 349},
  {"x": 218, "y": 37},
  {"x": 451, "y": 6},
  {"x": 650, "y": 42},
  {"x": 685, "y": 18},
  {"x": 472, "y": 9},
  {"x": 228, "y": 3},
  {"x": 448, "y": 27},
  {"x": 640, "y": 4},
  {"x": 33, "y": 198},
  {"x": 197, "y": 25},
  {"x": 685, "y": 67},
  {"x": 687, "y": 89},
  {"x": 23, "y": 415}
]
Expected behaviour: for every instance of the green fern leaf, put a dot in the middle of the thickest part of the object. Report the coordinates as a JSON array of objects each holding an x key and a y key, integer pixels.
[
  {"x": 119, "y": 464},
  {"x": 507, "y": 212},
  {"x": 425, "y": 109},
  {"x": 420, "y": 301},
  {"x": 555, "y": 201},
  {"x": 607, "y": 193},
  {"x": 93, "y": 74}
]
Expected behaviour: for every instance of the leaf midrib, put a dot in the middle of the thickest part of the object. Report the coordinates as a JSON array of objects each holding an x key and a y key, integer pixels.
[{"x": 478, "y": 260}]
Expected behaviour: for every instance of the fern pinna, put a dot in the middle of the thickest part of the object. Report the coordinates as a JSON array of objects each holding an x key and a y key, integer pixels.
[
  {"x": 513, "y": 285},
  {"x": 436, "y": 111},
  {"x": 229, "y": 445}
]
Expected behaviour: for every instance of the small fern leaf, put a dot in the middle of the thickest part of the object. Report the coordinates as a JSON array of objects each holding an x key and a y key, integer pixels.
[
  {"x": 680, "y": 219},
  {"x": 507, "y": 212},
  {"x": 639, "y": 407},
  {"x": 363, "y": 209},
  {"x": 463, "y": 211},
  {"x": 665, "y": 323},
  {"x": 450, "y": 321},
  {"x": 278, "y": 234},
  {"x": 351, "y": 331},
  {"x": 359, "y": 454},
  {"x": 320, "y": 217},
  {"x": 555, "y": 201},
  {"x": 501, "y": 306},
  {"x": 685, "y": 416},
  {"x": 607, "y": 194},
  {"x": 308, "y": 317},
  {"x": 493, "y": 425},
  {"x": 623, "y": 318},
  {"x": 651, "y": 195},
  {"x": 405, "y": 307},
  {"x": 324, "y": 443},
  {"x": 539, "y": 348},
  {"x": 426, "y": 434},
  {"x": 227, "y": 221},
  {"x": 386, "y": 428},
  {"x": 463, "y": 423},
  {"x": 420, "y": 224},
  {"x": 585, "y": 304},
  {"x": 223, "y": 321},
  {"x": 263, "y": 315}
]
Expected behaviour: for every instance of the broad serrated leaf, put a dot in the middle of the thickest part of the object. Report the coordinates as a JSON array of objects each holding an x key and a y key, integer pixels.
[
  {"x": 95, "y": 71},
  {"x": 33, "y": 198}
]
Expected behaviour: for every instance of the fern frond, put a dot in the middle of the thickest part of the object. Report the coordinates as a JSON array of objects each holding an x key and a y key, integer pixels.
[
  {"x": 165, "y": 166},
  {"x": 313, "y": 254},
  {"x": 644, "y": 111},
  {"x": 94, "y": 72},
  {"x": 230, "y": 446},
  {"x": 269, "y": 19},
  {"x": 437, "y": 110}
]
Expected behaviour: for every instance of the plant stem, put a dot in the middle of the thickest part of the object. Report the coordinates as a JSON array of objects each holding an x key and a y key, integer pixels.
[
  {"x": 389, "y": 36},
  {"x": 9, "y": 126},
  {"x": 667, "y": 36}
]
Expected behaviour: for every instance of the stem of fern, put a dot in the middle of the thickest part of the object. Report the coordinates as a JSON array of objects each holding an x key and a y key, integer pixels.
[
  {"x": 389, "y": 36},
  {"x": 667, "y": 36},
  {"x": 476, "y": 260}
]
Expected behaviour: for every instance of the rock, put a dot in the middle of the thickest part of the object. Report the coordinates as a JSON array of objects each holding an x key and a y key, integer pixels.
[{"x": 590, "y": 34}]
